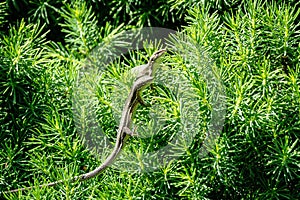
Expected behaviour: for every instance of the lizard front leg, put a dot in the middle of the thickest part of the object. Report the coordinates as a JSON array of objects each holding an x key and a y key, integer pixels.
[
  {"x": 130, "y": 132},
  {"x": 141, "y": 101}
]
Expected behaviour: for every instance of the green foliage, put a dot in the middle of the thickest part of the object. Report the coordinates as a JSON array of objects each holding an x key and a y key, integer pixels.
[
  {"x": 135, "y": 11},
  {"x": 255, "y": 48},
  {"x": 82, "y": 32},
  {"x": 3, "y": 13},
  {"x": 22, "y": 64}
]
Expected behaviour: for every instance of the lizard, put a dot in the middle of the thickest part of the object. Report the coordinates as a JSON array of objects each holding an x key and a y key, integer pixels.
[{"x": 145, "y": 75}]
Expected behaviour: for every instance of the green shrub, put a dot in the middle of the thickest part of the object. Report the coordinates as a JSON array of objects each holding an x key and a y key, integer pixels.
[{"x": 256, "y": 52}]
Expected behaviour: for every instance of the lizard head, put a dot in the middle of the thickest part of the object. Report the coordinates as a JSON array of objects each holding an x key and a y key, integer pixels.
[
  {"x": 150, "y": 68},
  {"x": 156, "y": 55},
  {"x": 154, "y": 60}
]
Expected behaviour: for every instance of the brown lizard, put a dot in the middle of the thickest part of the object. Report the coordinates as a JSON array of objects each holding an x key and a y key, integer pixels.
[{"x": 144, "y": 78}]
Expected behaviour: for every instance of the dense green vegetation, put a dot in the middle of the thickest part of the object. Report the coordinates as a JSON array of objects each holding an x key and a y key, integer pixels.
[{"x": 255, "y": 48}]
